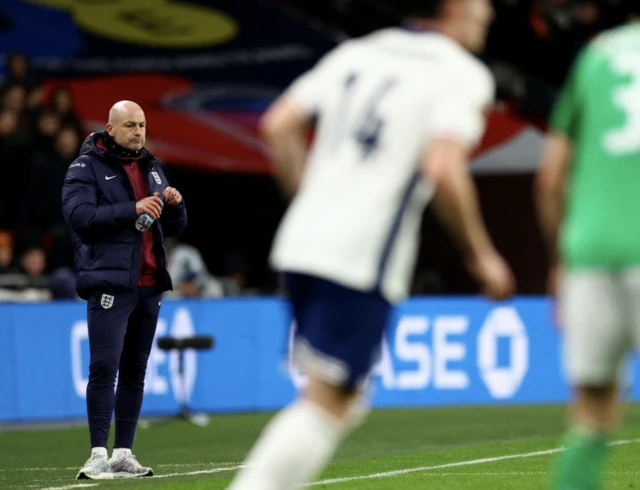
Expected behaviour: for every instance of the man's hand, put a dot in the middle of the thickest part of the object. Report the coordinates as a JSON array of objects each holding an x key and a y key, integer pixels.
[
  {"x": 172, "y": 197},
  {"x": 151, "y": 205},
  {"x": 493, "y": 274}
]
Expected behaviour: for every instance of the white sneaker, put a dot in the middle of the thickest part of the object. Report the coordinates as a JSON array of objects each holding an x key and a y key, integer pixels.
[
  {"x": 128, "y": 467},
  {"x": 94, "y": 469}
]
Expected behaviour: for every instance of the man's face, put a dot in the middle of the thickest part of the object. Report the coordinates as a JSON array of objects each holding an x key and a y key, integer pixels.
[
  {"x": 48, "y": 124},
  {"x": 8, "y": 123},
  {"x": 62, "y": 101},
  {"x": 67, "y": 143},
  {"x": 18, "y": 66},
  {"x": 14, "y": 98},
  {"x": 129, "y": 130},
  {"x": 34, "y": 262},
  {"x": 475, "y": 17},
  {"x": 6, "y": 255}
]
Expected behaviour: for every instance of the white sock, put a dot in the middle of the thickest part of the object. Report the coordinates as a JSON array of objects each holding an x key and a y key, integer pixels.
[
  {"x": 121, "y": 453},
  {"x": 358, "y": 413},
  {"x": 294, "y": 447},
  {"x": 99, "y": 451}
]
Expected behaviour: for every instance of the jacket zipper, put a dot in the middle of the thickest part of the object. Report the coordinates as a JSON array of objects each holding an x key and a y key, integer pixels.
[{"x": 133, "y": 250}]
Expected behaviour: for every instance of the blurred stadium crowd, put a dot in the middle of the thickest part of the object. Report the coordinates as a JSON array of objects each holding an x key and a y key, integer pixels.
[
  {"x": 531, "y": 46},
  {"x": 39, "y": 137},
  {"x": 541, "y": 37}
]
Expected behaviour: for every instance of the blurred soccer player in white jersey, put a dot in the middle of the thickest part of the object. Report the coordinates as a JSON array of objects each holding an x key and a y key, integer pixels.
[{"x": 398, "y": 113}]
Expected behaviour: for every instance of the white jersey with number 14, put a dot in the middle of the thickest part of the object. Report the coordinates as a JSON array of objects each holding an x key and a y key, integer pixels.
[{"x": 379, "y": 101}]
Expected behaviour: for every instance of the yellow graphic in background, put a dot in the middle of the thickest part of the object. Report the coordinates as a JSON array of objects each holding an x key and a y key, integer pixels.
[{"x": 157, "y": 23}]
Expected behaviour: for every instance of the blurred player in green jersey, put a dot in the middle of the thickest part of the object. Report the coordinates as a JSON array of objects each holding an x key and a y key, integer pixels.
[{"x": 588, "y": 193}]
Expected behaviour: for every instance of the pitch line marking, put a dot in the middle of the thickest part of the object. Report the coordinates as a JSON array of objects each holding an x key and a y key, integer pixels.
[{"x": 394, "y": 473}]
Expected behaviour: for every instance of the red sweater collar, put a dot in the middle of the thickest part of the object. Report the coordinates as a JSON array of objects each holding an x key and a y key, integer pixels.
[{"x": 101, "y": 146}]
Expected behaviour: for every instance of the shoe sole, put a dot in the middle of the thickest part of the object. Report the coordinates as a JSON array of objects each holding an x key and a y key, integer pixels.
[{"x": 114, "y": 476}]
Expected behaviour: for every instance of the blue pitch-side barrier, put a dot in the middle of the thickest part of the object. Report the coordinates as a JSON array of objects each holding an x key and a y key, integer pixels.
[{"x": 437, "y": 352}]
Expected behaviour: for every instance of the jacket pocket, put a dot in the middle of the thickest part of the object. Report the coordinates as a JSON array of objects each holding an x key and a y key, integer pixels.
[{"x": 114, "y": 256}]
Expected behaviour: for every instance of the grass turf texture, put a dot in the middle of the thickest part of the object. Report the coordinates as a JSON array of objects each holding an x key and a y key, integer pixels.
[{"x": 185, "y": 456}]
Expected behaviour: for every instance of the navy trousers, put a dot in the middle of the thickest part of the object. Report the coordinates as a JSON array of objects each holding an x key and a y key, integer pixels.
[{"x": 122, "y": 325}]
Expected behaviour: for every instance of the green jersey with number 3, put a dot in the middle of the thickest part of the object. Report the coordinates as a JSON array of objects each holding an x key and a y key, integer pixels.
[{"x": 599, "y": 110}]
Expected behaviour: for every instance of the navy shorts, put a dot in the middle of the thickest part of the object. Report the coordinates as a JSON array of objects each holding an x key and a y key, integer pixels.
[{"x": 339, "y": 330}]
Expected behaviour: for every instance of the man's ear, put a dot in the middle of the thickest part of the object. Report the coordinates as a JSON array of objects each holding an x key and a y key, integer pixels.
[{"x": 110, "y": 129}]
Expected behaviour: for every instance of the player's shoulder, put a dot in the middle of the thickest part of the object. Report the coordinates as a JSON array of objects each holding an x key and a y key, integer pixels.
[
  {"x": 463, "y": 71},
  {"x": 90, "y": 157},
  {"x": 464, "y": 64},
  {"x": 433, "y": 46},
  {"x": 615, "y": 40},
  {"x": 81, "y": 168}
]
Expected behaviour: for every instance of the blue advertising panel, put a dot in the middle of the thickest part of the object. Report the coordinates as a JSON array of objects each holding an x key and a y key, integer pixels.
[{"x": 436, "y": 352}]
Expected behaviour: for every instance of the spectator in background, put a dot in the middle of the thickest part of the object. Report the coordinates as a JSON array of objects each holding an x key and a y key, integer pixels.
[
  {"x": 42, "y": 209},
  {"x": 13, "y": 97},
  {"x": 42, "y": 204},
  {"x": 44, "y": 130},
  {"x": 13, "y": 168},
  {"x": 33, "y": 263},
  {"x": 8, "y": 124},
  {"x": 193, "y": 285},
  {"x": 34, "y": 101},
  {"x": 190, "y": 274},
  {"x": 235, "y": 277},
  {"x": 7, "y": 259},
  {"x": 18, "y": 70},
  {"x": 62, "y": 105},
  {"x": 28, "y": 281}
]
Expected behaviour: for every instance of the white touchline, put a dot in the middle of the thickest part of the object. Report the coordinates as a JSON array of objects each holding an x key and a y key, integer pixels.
[
  {"x": 212, "y": 463},
  {"x": 391, "y": 474},
  {"x": 199, "y": 472},
  {"x": 79, "y": 485}
]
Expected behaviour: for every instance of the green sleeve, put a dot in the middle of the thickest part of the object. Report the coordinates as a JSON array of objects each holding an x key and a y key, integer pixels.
[{"x": 564, "y": 117}]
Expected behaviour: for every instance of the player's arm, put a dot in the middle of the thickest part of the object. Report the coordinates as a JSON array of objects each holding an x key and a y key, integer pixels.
[
  {"x": 284, "y": 129},
  {"x": 445, "y": 164},
  {"x": 457, "y": 124},
  {"x": 552, "y": 175},
  {"x": 550, "y": 186},
  {"x": 286, "y": 124}
]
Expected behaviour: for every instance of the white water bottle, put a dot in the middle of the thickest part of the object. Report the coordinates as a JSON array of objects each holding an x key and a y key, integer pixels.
[{"x": 144, "y": 221}]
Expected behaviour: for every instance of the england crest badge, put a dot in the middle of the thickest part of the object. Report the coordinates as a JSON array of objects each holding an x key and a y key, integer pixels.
[
  {"x": 156, "y": 177},
  {"x": 106, "y": 301}
]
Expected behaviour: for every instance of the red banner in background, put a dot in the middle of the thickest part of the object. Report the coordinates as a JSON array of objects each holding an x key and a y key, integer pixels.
[
  {"x": 228, "y": 141},
  {"x": 211, "y": 140}
]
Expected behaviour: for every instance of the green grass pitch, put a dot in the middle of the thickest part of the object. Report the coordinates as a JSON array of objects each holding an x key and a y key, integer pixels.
[{"x": 480, "y": 448}]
